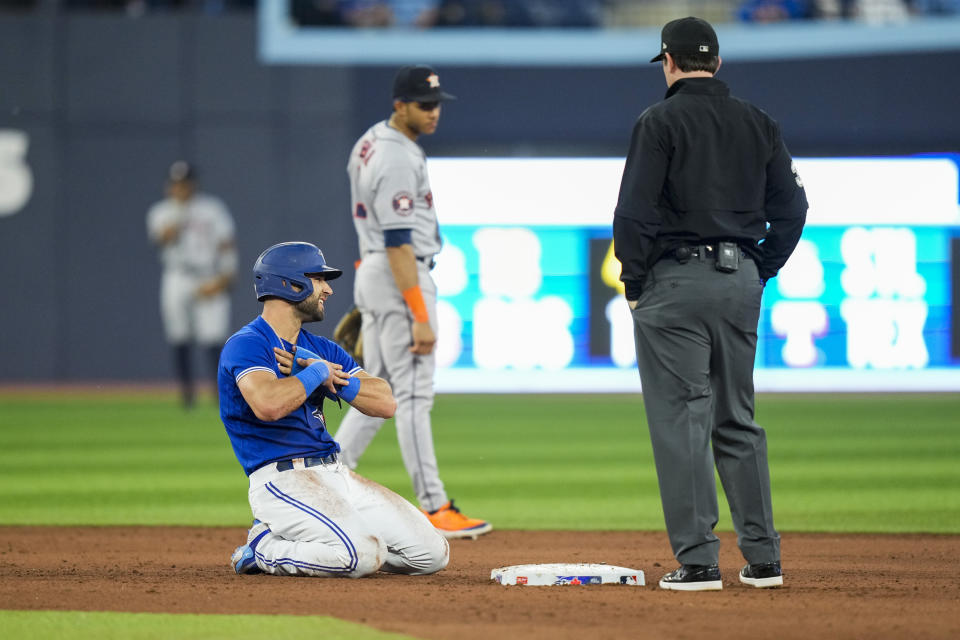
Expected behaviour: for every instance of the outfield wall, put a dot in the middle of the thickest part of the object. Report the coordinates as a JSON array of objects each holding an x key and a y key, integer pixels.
[{"x": 95, "y": 107}]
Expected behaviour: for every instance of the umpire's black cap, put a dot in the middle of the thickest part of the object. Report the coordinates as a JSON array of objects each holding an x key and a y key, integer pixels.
[
  {"x": 419, "y": 83},
  {"x": 687, "y": 36}
]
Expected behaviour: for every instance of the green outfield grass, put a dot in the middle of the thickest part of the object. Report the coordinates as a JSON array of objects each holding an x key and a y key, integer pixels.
[
  {"x": 91, "y": 625},
  {"x": 870, "y": 463}
]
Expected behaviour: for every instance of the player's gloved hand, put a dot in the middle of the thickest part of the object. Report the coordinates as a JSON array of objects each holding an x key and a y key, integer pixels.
[{"x": 347, "y": 334}]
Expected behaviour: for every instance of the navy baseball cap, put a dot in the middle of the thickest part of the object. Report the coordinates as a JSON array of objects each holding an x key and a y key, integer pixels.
[
  {"x": 419, "y": 83},
  {"x": 687, "y": 36}
]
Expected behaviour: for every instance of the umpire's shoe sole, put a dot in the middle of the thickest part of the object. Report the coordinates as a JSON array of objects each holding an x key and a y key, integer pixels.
[
  {"x": 762, "y": 576},
  {"x": 693, "y": 577}
]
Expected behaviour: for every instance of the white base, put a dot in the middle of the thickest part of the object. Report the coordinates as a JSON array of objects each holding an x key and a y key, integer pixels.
[{"x": 550, "y": 575}]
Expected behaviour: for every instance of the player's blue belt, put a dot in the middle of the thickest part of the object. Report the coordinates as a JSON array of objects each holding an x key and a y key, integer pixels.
[{"x": 287, "y": 465}]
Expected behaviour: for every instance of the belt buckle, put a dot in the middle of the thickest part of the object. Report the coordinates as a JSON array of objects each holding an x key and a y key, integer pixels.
[{"x": 321, "y": 461}]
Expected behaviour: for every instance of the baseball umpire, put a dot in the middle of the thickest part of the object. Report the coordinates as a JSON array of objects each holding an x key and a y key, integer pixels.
[
  {"x": 195, "y": 234},
  {"x": 314, "y": 517},
  {"x": 396, "y": 224},
  {"x": 710, "y": 208}
]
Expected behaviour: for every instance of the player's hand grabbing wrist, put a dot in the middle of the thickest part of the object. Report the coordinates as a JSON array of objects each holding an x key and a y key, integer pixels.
[
  {"x": 298, "y": 353},
  {"x": 313, "y": 376}
]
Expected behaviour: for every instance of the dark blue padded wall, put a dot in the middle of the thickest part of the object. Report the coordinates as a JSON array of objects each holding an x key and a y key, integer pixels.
[{"x": 106, "y": 103}]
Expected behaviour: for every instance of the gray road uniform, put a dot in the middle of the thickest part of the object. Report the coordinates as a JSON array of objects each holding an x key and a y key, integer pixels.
[
  {"x": 390, "y": 190},
  {"x": 202, "y": 250}
]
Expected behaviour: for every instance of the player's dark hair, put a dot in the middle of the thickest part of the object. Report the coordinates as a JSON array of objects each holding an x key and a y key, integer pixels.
[{"x": 696, "y": 62}]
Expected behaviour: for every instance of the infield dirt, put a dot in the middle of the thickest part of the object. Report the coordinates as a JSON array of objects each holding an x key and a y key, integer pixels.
[{"x": 835, "y": 586}]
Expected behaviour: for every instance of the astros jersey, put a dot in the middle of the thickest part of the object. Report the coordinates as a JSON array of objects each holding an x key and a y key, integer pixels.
[
  {"x": 301, "y": 433},
  {"x": 205, "y": 224},
  {"x": 390, "y": 189}
]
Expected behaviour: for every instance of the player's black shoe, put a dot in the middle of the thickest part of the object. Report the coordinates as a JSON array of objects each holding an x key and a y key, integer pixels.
[
  {"x": 693, "y": 577},
  {"x": 762, "y": 576}
]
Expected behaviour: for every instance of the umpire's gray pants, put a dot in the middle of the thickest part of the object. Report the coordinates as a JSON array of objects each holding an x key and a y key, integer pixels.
[{"x": 696, "y": 336}]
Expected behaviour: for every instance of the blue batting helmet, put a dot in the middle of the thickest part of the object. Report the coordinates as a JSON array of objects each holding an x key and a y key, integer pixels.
[{"x": 284, "y": 265}]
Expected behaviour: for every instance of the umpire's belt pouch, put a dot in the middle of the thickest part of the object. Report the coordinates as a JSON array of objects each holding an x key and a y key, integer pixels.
[
  {"x": 682, "y": 254},
  {"x": 728, "y": 257}
]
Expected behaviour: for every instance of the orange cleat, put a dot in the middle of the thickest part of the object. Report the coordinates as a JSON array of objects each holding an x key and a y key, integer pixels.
[{"x": 452, "y": 524}]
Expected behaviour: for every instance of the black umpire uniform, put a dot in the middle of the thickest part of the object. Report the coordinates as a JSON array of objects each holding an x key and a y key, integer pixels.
[{"x": 710, "y": 208}]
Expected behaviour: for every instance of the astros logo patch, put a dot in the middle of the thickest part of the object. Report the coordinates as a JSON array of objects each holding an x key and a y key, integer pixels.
[{"x": 403, "y": 203}]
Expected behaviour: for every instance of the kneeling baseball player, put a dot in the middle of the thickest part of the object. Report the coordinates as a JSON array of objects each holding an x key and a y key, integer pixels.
[{"x": 313, "y": 516}]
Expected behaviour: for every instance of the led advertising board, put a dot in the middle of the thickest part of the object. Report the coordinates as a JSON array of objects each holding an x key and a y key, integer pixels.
[{"x": 530, "y": 298}]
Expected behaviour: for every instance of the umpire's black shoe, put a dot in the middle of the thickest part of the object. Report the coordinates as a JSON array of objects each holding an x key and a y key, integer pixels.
[
  {"x": 762, "y": 576},
  {"x": 693, "y": 577}
]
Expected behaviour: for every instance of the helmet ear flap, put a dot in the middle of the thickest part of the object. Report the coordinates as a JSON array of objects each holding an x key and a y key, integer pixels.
[{"x": 283, "y": 286}]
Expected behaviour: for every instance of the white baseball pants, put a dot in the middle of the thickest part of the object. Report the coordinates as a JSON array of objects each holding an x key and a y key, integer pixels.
[{"x": 327, "y": 521}]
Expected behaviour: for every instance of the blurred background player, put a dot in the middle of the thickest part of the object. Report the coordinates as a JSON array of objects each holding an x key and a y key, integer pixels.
[
  {"x": 396, "y": 224},
  {"x": 195, "y": 234}
]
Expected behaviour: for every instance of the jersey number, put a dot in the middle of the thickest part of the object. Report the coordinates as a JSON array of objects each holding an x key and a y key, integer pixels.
[{"x": 366, "y": 151}]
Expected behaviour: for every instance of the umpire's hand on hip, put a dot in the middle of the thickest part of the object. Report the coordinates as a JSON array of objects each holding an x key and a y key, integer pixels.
[{"x": 423, "y": 338}]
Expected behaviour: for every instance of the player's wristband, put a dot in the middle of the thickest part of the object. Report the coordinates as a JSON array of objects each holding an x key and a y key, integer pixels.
[
  {"x": 350, "y": 390},
  {"x": 418, "y": 307},
  {"x": 313, "y": 376},
  {"x": 298, "y": 353}
]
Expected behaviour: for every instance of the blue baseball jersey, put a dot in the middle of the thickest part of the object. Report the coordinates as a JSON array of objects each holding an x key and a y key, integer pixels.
[{"x": 302, "y": 432}]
